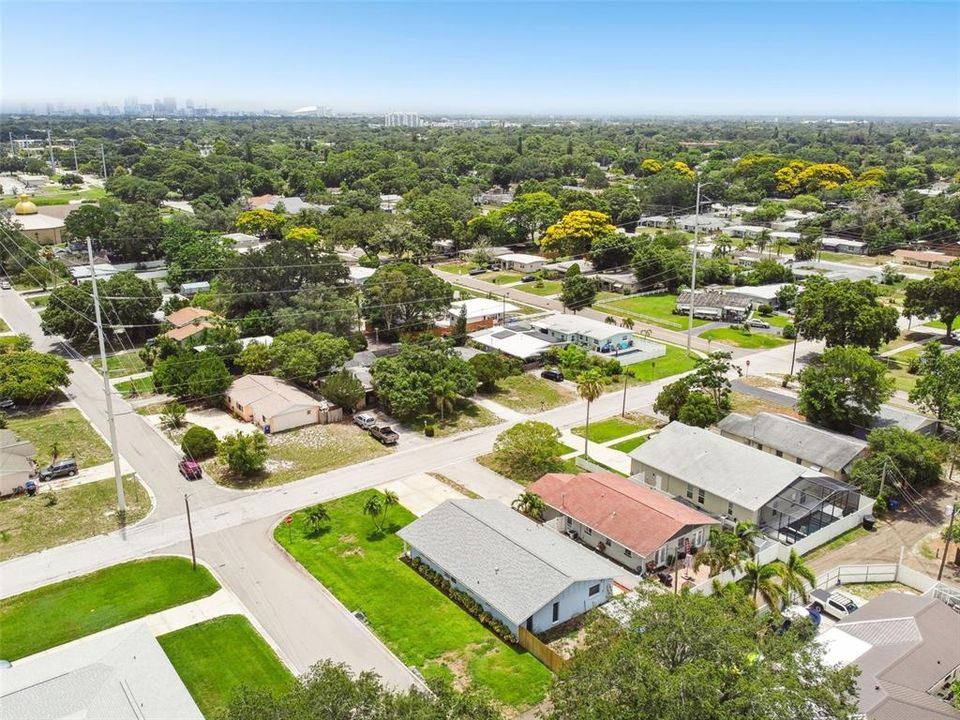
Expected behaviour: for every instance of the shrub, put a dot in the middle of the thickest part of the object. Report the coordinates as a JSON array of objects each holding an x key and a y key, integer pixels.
[
  {"x": 789, "y": 331},
  {"x": 199, "y": 442},
  {"x": 173, "y": 415},
  {"x": 765, "y": 310},
  {"x": 430, "y": 430}
]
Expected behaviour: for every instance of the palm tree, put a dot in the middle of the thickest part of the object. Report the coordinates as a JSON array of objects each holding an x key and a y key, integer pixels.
[
  {"x": 627, "y": 323},
  {"x": 529, "y": 503},
  {"x": 389, "y": 500},
  {"x": 374, "y": 508},
  {"x": 762, "y": 240},
  {"x": 610, "y": 320},
  {"x": 746, "y": 534},
  {"x": 317, "y": 516},
  {"x": 779, "y": 244},
  {"x": 589, "y": 387},
  {"x": 444, "y": 395},
  {"x": 762, "y": 581},
  {"x": 795, "y": 574}
]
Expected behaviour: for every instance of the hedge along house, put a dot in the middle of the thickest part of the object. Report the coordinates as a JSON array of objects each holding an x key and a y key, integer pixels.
[
  {"x": 631, "y": 524},
  {"x": 522, "y": 573},
  {"x": 735, "y": 482}
]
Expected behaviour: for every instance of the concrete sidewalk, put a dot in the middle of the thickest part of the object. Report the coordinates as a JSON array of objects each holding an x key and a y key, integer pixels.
[
  {"x": 615, "y": 459},
  {"x": 86, "y": 475}
]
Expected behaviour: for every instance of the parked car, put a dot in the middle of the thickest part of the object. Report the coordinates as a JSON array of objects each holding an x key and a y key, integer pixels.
[
  {"x": 365, "y": 420},
  {"x": 477, "y": 271},
  {"x": 754, "y": 322},
  {"x": 528, "y": 278},
  {"x": 59, "y": 468},
  {"x": 4, "y": 284},
  {"x": 835, "y": 604},
  {"x": 554, "y": 375},
  {"x": 190, "y": 469},
  {"x": 385, "y": 434},
  {"x": 6, "y": 403}
]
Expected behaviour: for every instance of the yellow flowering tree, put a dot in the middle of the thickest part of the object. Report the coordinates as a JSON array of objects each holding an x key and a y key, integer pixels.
[
  {"x": 684, "y": 169},
  {"x": 305, "y": 234},
  {"x": 788, "y": 177},
  {"x": 256, "y": 222},
  {"x": 576, "y": 232},
  {"x": 650, "y": 167},
  {"x": 824, "y": 176}
]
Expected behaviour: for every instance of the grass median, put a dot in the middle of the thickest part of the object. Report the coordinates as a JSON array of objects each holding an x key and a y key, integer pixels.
[
  {"x": 217, "y": 657},
  {"x": 55, "y": 614},
  {"x": 362, "y": 567}
]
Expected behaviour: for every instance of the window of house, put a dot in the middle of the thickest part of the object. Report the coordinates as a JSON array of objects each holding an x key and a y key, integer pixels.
[
  {"x": 698, "y": 538},
  {"x": 798, "y": 461},
  {"x": 729, "y": 508},
  {"x": 556, "y": 611},
  {"x": 569, "y": 522},
  {"x": 594, "y": 590},
  {"x": 701, "y": 496},
  {"x": 779, "y": 453},
  {"x": 626, "y": 551},
  {"x": 689, "y": 491},
  {"x": 588, "y": 531}
]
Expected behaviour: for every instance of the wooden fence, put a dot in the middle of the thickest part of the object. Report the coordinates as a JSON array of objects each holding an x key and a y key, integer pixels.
[{"x": 532, "y": 644}]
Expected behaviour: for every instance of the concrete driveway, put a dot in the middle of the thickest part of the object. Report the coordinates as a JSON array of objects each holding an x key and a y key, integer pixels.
[
  {"x": 421, "y": 493},
  {"x": 222, "y": 423}
]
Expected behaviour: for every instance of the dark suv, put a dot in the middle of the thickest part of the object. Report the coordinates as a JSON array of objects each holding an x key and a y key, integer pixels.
[
  {"x": 60, "y": 468},
  {"x": 554, "y": 375}
]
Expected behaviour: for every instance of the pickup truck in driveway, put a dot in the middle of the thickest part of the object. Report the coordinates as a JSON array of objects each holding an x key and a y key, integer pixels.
[{"x": 385, "y": 435}]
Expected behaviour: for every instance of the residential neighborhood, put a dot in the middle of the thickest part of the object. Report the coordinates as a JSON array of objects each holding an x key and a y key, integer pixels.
[{"x": 635, "y": 397}]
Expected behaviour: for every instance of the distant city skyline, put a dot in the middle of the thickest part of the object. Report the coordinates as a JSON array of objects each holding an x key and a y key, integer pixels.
[{"x": 867, "y": 59}]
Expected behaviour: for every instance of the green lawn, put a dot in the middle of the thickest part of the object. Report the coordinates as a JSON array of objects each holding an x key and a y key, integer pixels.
[
  {"x": 653, "y": 309},
  {"x": 62, "y": 197},
  {"x": 530, "y": 394},
  {"x": 30, "y": 524},
  {"x": 631, "y": 444},
  {"x": 457, "y": 268},
  {"x": 492, "y": 461},
  {"x": 612, "y": 428},
  {"x": 416, "y": 621},
  {"x": 38, "y": 300},
  {"x": 777, "y": 321},
  {"x": 466, "y": 415},
  {"x": 739, "y": 338},
  {"x": 306, "y": 451},
  {"x": 898, "y": 363},
  {"x": 3, "y": 326},
  {"x": 217, "y": 657},
  {"x": 935, "y": 324},
  {"x": 64, "y": 428},
  {"x": 68, "y": 610},
  {"x": 675, "y": 361},
  {"x": 122, "y": 364},
  {"x": 136, "y": 387},
  {"x": 500, "y": 278},
  {"x": 550, "y": 287},
  {"x": 7, "y": 343},
  {"x": 838, "y": 542}
]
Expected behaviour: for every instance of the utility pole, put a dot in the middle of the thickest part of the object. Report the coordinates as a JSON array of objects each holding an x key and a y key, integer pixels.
[
  {"x": 103, "y": 161},
  {"x": 793, "y": 357},
  {"x": 193, "y": 550},
  {"x": 693, "y": 272},
  {"x": 623, "y": 410},
  {"x": 76, "y": 165},
  {"x": 946, "y": 546},
  {"x": 107, "y": 390},
  {"x": 53, "y": 163}
]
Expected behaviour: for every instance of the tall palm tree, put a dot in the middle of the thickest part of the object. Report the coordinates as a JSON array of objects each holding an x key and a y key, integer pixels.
[
  {"x": 627, "y": 323},
  {"x": 746, "y": 534},
  {"x": 589, "y": 387},
  {"x": 763, "y": 581},
  {"x": 389, "y": 500},
  {"x": 795, "y": 574},
  {"x": 610, "y": 320},
  {"x": 529, "y": 503},
  {"x": 779, "y": 244},
  {"x": 444, "y": 395},
  {"x": 762, "y": 240}
]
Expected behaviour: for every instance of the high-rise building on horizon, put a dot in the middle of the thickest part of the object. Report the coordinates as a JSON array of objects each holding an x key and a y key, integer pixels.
[{"x": 401, "y": 119}]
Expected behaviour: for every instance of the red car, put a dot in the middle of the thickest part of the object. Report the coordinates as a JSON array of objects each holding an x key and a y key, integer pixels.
[{"x": 190, "y": 469}]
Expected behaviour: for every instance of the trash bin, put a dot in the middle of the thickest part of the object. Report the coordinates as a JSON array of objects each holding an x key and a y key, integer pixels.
[
  {"x": 893, "y": 504},
  {"x": 869, "y": 522}
]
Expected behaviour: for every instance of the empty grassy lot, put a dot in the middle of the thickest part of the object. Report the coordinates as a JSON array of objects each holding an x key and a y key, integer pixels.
[
  {"x": 58, "y": 613},
  {"x": 530, "y": 394},
  {"x": 740, "y": 338},
  {"x": 550, "y": 287},
  {"x": 456, "y": 268},
  {"x": 652, "y": 309},
  {"x": 30, "y": 524},
  {"x": 631, "y": 444},
  {"x": 217, "y": 657},
  {"x": 136, "y": 387},
  {"x": 616, "y": 427},
  {"x": 674, "y": 362},
  {"x": 122, "y": 364},
  {"x": 500, "y": 278},
  {"x": 362, "y": 567},
  {"x": 64, "y": 430}
]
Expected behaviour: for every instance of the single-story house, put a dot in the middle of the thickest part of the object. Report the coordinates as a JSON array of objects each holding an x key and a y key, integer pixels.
[
  {"x": 620, "y": 282},
  {"x": 760, "y": 294},
  {"x": 16, "y": 461},
  {"x": 736, "y": 482},
  {"x": 786, "y": 235},
  {"x": 586, "y": 332},
  {"x": 360, "y": 274},
  {"x": 891, "y": 416},
  {"x": 192, "y": 288},
  {"x": 706, "y": 223},
  {"x": 805, "y": 444},
  {"x": 630, "y": 523},
  {"x": 521, "y": 262},
  {"x": 494, "y": 196},
  {"x": 518, "y": 341},
  {"x": 907, "y": 648},
  {"x": 835, "y": 244},
  {"x": 102, "y": 270},
  {"x": 119, "y": 674},
  {"x": 480, "y": 312},
  {"x": 242, "y": 242},
  {"x": 291, "y": 205},
  {"x": 523, "y": 573},
  {"x": 495, "y": 251},
  {"x": 655, "y": 221},
  {"x": 561, "y": 268},
  {"x": 744, "y": 231},
  {"x": 389, "y": 202},
  {"x": 275, "y": 405},
  {"x": 42, "y": 229},
  {"x": 265, "y": 340},
  {"x": 714, "y": 305},
  {"x": 188, "y": 322},
  {"x": 924, "y": 258}
]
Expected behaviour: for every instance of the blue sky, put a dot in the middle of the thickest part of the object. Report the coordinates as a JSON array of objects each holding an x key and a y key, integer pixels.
[{"x": 632, "y": 58}]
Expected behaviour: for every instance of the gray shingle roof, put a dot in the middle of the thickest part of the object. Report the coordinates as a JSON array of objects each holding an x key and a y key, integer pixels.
[
  {"x": 821, "y": 447},
  {"x": 729, "y": 469},
  {"x": 516, "y": 565}
]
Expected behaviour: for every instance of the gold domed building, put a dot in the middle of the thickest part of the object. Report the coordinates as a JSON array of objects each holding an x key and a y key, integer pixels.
[{"x": 41, "y": 228}]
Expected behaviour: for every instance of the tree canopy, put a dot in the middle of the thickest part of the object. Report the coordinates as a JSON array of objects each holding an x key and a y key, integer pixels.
[{"x": 843, "y": 388}]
